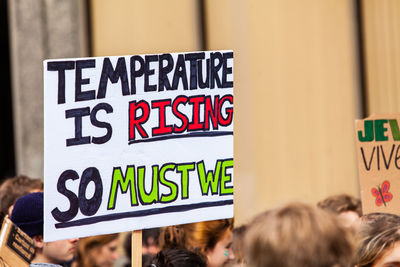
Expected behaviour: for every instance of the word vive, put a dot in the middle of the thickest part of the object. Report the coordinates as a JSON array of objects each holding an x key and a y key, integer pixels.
[{"x": 378, "y": 153}]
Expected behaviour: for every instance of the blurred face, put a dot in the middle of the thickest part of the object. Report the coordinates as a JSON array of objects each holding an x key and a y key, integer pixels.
[
  {"x": 348, "y": 218},
  {"x": 222, "y": 252},
  {"x": 59, "y": 251},
  {"x": 152, "y": 248},
  {"x": 105, "y": 255},
  {"x": 391, "y": 258}
]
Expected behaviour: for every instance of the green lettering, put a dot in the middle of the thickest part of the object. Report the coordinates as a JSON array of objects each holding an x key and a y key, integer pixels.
[
  {"x": 165, "y": 198},
  {"x": 152, "y": 197},
  {"x": 395, "y": 129},
  {"x": 226, "y": 178},
  {"x": 368, "y": 130},
  {"x": 380, "y": 130},
  {"x": 184, "y": 169},
  {"x": 118, "y": 180},
  {"x": 210, "y": 180}
]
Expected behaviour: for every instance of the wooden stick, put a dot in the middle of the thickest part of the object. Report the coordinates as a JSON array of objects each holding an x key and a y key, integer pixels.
[{"x": 136, "y": 248}]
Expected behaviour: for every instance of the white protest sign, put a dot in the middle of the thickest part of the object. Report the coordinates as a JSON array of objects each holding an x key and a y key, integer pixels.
[{"x": 135, "y": 142}]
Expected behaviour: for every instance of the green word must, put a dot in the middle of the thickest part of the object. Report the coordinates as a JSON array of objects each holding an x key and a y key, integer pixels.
[
  {"x": 214, "y": 181},
  {"x": 376, "y": 129}
]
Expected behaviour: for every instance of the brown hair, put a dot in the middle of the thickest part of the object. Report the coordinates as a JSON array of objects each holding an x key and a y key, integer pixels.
[
  {"x": 88, "y": 243},
  {"x": 198, "y": 237},
  {"x": 237, "y": 243},
  {"x": 300, "y": 235},
  {"x": 378, "y": 219},
  {"x": 14, "y": 187},
  {"x": 341, "y": 203},
  {"x": 377, "y": 234}
]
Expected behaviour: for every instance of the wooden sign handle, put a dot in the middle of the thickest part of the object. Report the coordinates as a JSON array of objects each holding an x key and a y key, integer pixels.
[{"x": 136, "y": 248}]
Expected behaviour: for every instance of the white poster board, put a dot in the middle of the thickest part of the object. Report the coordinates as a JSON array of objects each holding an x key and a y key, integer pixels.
[{"x": 135, "y": 142}]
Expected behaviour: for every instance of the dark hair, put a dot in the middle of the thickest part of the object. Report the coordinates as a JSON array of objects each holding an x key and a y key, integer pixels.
[
  {"x": 177, "y": 258},
  {"x": 150, "y": 236}
]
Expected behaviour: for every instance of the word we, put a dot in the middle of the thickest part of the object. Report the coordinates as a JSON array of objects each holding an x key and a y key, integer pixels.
[{"x": 216, "y": 182}]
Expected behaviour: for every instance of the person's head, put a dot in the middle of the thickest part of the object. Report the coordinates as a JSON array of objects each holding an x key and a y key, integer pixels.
[
  {"x": 177, "y": 258},
  {"x": 28, "y": 216},
  {"x": 238, "y": 246},
  {"x": 378, "y": 219},
  {"x": 13, "y": 188},
  {"x": 347, "y": 207},
  {"x": 379, "y": 240},
  {"x": 299, "y": 235},
  {"x": 150, "y": 243},
  {"x": 97, "y": 251},
  {"x": 211, "y": 239}
]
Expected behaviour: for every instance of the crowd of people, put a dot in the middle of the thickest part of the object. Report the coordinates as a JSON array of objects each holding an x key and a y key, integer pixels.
[{"x": 333, "y": 233}]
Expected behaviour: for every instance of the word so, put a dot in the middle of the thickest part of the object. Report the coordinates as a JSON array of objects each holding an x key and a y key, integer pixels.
[{"x": 215, "y": 182}]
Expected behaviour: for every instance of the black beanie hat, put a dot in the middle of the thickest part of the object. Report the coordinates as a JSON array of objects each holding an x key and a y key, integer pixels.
[{"x": 27, "y": 214}]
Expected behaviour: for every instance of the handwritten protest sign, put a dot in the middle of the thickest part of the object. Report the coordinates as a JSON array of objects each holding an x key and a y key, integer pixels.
[
  {"x": 16, "y": 247},
  {"x": 378, "y": 150},
  {"x": 134, "y": 142}
]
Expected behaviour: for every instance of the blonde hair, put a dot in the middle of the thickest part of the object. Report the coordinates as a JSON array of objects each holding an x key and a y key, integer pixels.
[
  {"x": 198, "y": 237},
  {"x": 89, "y": 243},
  {"x": 377, "y": 234},
  {"x": 298, "y": 235}
]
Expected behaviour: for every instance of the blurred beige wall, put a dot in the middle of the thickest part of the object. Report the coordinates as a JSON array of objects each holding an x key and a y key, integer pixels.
[
  {"x": 381, "y": 31},
  {"x": 137, "y": 27},
  {"x": 296, "y": 85}
]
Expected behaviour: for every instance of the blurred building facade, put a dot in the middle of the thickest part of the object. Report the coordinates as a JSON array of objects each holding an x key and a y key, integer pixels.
[{"x": 304, "y": 71}]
